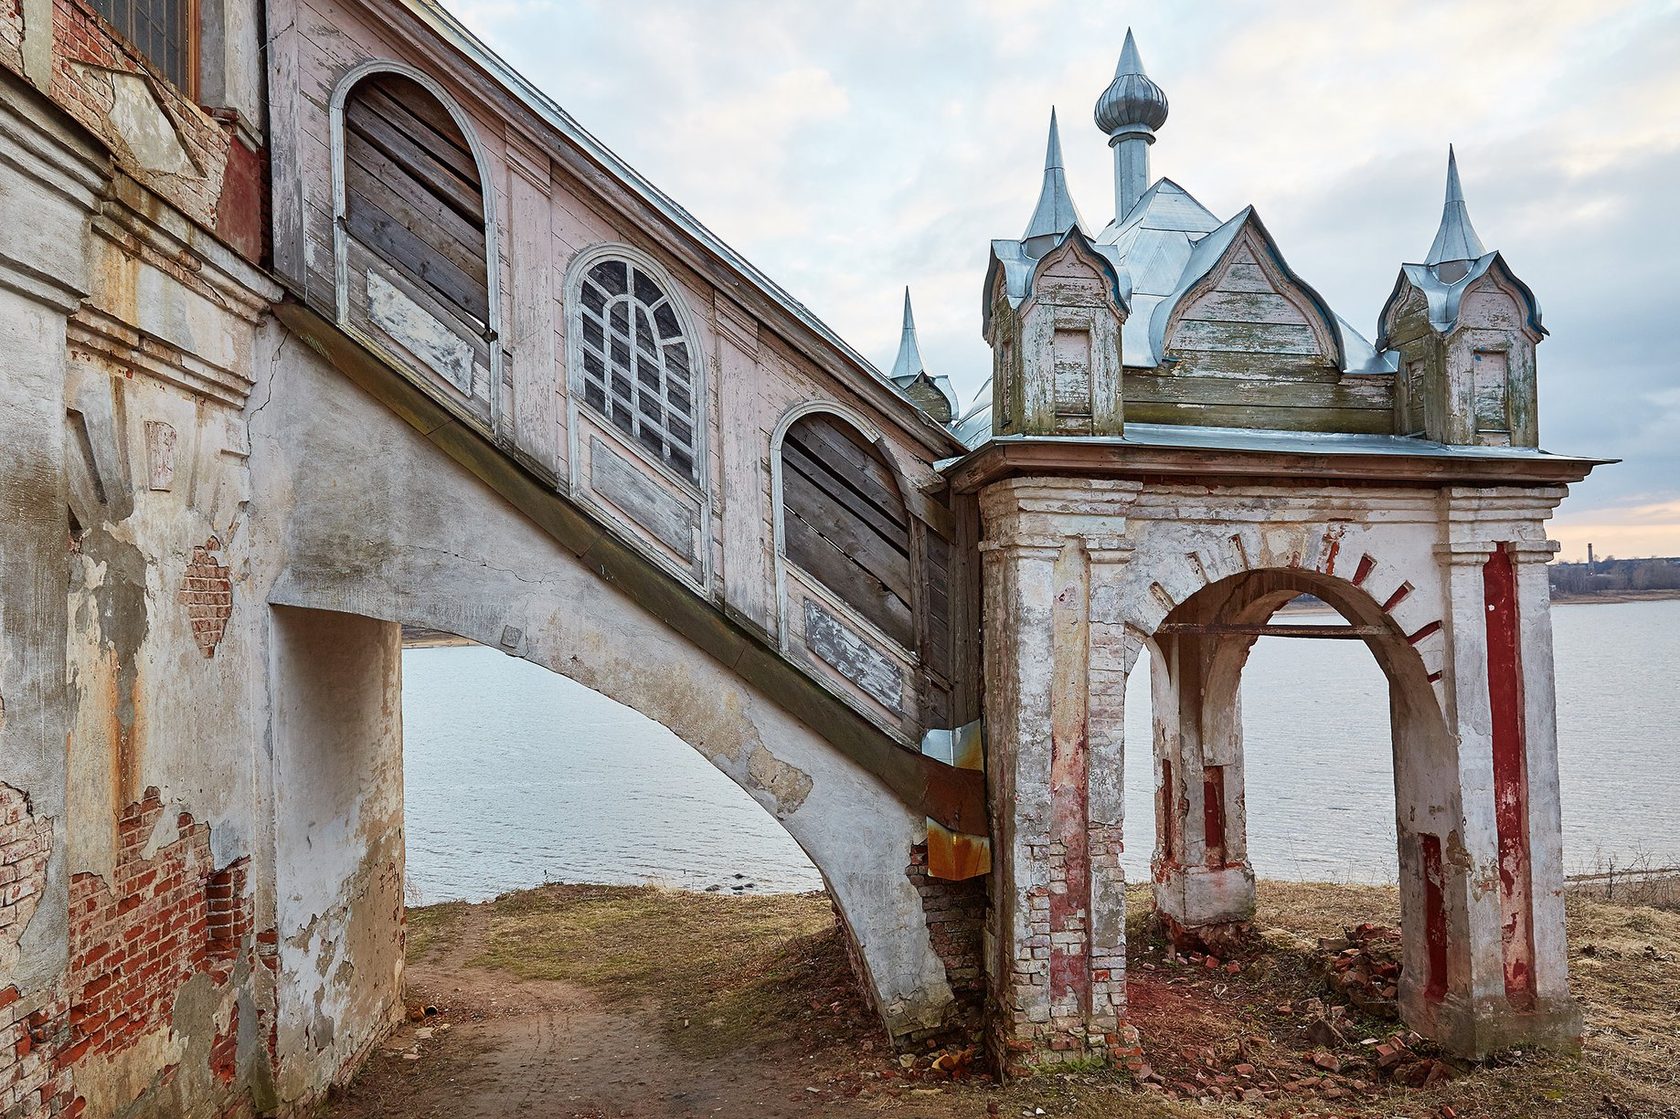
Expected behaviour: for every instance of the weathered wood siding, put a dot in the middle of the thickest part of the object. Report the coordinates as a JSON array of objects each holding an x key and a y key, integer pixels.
[
  {"x": 1248, "y": 348},
  {"x": 551, "y": 209}
]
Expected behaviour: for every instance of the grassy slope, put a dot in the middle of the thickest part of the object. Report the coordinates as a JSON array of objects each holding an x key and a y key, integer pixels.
[{"x": 727, "y": 975}]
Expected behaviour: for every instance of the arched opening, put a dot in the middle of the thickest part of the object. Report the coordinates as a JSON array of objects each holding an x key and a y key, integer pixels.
[
  {"x": 1202, "y": 867},
  {"x": 414, "y": 239},
  {"x": 844, "y": 521}
]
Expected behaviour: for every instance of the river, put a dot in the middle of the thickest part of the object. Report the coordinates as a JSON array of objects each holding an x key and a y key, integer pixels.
[{"x": 515, "y": 776}]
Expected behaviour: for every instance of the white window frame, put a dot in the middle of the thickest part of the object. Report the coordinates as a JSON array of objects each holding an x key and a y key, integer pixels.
[
  {"x": 341, "y": 232},
  {"x": 698, "y": 487}
]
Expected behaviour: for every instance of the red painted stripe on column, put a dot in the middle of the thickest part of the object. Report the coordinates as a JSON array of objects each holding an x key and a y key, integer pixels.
[
  {"x": 1213, "y": 813},
  {"x": 1434, "y": 917},
  {"x": 1510, "y": 774}
]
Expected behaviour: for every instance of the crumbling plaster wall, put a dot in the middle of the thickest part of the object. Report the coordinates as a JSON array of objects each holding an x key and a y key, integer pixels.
[
  {"x": 130, "y": 717},
  {"x": 338, "y": 834},
  {"x": 369, "y": 519}
]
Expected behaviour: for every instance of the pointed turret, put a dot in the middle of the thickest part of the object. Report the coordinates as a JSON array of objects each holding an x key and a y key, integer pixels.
[
  {"x": 1463, "y": 328},
  {"x": 1130, "y": 110},
  {"x": 933, "y": 395},
  {"x": 1055, "y": 213},
  {"x": 1456, "y": 242},
  {"x": 909, "y": 362}
]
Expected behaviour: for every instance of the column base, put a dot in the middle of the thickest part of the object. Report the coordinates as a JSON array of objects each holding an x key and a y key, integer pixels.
[
  {"x": 1195, "y": 902},
  {"x": 1475, "y": 1030},
  {"x": 1019, "y": 1050}
]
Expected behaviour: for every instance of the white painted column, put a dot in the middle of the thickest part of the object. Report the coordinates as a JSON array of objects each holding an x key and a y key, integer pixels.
[
  {"x": 1545, "y": 815},
  {"x": 744, "y": 444}
]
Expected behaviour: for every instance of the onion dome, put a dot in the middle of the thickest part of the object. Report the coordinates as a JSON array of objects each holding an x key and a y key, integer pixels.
[{"x": 1131, "y": 102}]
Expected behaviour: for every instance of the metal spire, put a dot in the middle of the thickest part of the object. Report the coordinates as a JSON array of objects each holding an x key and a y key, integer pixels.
[
  {"x": 1456, "y": 240},
  {"x": 1130, "y": 63},
  {"x": 909, "y": 362},
  {"x": 1056, "y": 213}
]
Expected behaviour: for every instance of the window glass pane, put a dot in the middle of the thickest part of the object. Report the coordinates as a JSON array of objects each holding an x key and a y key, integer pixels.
[
  {"x": 666, "y": 317},
  {"x": 594, "y": 299},
  {"x": 647, "y": 292},
  {"x": 610, "y": 275}
]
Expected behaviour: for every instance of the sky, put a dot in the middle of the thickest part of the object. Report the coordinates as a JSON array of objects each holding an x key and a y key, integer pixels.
[{"x": 851, "y": 149}]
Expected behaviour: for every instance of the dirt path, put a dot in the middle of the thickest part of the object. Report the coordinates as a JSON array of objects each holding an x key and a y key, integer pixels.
[{"x": 503, "y": 1047}]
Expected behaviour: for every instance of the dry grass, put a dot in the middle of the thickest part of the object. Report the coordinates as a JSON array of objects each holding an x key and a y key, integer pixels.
[
  {"x": 747, "y": 979},
  {"x": 720, "y": 973}
]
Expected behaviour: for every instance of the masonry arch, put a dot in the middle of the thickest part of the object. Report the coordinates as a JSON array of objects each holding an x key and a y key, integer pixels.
[
  {"x": 416, "y": 268},
  {"x": 1204, "y": 880},
  {"x": 416, "y": 541}
]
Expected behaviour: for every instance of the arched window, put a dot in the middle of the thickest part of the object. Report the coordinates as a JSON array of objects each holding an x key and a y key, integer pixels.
[
  {"x": 415, "y": 235},
  {"x": 638, "y": 369},
  {"x": 412, "y": 192},
  {"x": 845, "y": 523}
]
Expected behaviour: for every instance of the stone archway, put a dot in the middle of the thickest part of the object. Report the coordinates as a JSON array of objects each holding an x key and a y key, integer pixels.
[
  {"x": 1203, "y": 879},
  {"x": 1448, "y": 589}
]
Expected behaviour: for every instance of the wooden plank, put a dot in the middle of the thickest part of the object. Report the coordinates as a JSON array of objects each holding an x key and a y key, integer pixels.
[
  {"x": 392, "y": 240},
  {"x": 855, "y": 539},
  {"x": 1244, "y": 337},
  {"x": 435, "y": 131},
  {"x": 860, "y": 590},
  {"x": 835, "y": 446},
  {"x": 671, "y": 519},
  {"x": 464, "y": 196},
  {"x": 1350, "y": 421},
  {"x": 1243, "y": 306},
  {"x": 853, "y": 657},
  {"x": 368, "y": 173},
  {"x": 839, "y": 488},
  {"x": 1190, "y": 388},
  {"x": 419, "y": 101},
  {"x": 384, "y": 205}
]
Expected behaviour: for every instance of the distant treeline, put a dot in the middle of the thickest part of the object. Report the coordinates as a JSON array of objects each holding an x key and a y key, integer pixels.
[{"x": 1610, "y": 575}]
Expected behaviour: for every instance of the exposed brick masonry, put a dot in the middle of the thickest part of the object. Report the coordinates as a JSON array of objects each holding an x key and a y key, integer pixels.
[
  {"x": 208, "y": 594},
  {"x": 134, "y": 942},
  {"x": 25, "y": 843},
  {"x": 956, "y": 916}
]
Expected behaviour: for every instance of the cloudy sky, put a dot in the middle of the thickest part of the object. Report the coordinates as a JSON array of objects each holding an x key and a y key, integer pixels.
[{"x": 852, "y": 148}]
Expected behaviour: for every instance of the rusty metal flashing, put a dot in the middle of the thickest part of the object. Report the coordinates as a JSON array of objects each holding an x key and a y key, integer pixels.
[
  {"x": 1319, "y": 460},
  {"x": 956, "y": 798}
]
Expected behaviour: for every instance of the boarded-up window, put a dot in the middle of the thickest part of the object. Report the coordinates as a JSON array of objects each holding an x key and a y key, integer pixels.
[
  {"x": 1489, "y": 373},
  {"x": 413, "y": 196},
  {"x": 163, "y": 31},
  {"x": 845, "y": 522},
  {"x": 1073, "y": 372},
  {"x": 638, "y": 369}
]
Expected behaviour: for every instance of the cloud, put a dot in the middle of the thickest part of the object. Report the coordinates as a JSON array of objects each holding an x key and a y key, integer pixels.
[{"x": 851, "y": 149}]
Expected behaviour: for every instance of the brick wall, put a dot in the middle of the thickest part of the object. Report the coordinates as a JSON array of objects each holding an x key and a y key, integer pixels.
[
  {"x": 166, "y": 916},
  {"x": 956, "y": 917},
  {"x": 85, "y": 51},
  {"x": 25, "y": 843}
]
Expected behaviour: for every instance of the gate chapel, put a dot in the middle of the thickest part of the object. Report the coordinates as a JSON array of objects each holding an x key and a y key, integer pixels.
[{"x": 1179, "y": 438}]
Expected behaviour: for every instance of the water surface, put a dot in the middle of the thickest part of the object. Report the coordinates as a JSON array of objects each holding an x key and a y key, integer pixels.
[{"x": 516, "y": 776}]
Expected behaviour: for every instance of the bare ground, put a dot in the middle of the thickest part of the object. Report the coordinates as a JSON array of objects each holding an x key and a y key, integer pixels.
[{"x": 585, "y": 1002}]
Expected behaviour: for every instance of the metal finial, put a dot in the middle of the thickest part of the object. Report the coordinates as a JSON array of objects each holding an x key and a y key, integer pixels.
[
  {"x": 1055, "y": 213},
  {"x": 1456, "y": 240},
  {"x": 1131, "y": 103},
  {"x": 1130, "y": 63}
]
